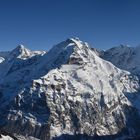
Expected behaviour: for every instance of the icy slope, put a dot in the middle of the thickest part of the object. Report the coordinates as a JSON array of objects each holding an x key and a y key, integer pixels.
[
  {"x": 5, "y": 138},
  {"x": 124, "y": 57},
  {"x": 69, "y": 90}
]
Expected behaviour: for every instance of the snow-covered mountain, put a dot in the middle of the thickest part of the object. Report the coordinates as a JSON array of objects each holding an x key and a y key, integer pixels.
[
  {"x": 124, "y": 57},
  {"x": 69, "y": 92}
]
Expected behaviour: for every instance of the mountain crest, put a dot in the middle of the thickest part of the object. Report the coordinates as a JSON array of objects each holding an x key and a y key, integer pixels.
[
  {"x": 80, "y": 44},
  {"x": 70, "y": 51},
  {"x": 20, "y": 51}
]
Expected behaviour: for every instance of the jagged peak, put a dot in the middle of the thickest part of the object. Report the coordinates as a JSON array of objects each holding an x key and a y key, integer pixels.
[
  {"x": 20, "y": 47},
  {"x": 76, "y": 40},
  {"x": 20, "y": 50},
  {"x": 70, "y": 44},
  {"x": 66, "y": 45},
  {"x": 71, "y": 51}
]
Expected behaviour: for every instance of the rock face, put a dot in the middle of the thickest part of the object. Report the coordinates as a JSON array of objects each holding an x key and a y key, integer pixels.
[{"x": 69, "y": 91}]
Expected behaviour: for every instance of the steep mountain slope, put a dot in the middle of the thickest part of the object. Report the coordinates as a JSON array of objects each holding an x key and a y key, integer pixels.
[
  {"x": 68, "y": 91},
  {"x": 124, "y": 57}
]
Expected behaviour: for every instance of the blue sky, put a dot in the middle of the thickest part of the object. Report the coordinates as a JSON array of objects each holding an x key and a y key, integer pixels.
[{"x": 40, "y": 24}]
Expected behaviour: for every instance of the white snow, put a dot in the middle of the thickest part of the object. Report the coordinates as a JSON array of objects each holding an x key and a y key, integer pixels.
[
  {"x": 1, "y": 59},
  {"x": 6, "y": 138}
]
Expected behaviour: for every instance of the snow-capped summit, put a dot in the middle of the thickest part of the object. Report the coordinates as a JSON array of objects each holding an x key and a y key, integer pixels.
[
  {"x": 18, "y": 58},
  {"x": 20, "y": 47},
  {"x": 20, "y": 51},
  {"x": 65, "y": 50},
  {"x": 70, "y": 90}
]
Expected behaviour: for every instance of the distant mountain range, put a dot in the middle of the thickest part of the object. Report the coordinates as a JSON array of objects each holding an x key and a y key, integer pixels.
[{"x": 72, "y": 92}]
